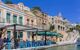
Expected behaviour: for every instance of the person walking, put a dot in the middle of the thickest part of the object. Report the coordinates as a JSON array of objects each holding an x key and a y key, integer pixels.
[{"x": 1, "y": 42}]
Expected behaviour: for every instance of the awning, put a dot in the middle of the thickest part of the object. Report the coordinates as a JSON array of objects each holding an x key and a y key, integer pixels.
[
  {"x": 60, "y": 35},
  {"x": 49, "y": 34},
  {"x": 19, "y": 27}
]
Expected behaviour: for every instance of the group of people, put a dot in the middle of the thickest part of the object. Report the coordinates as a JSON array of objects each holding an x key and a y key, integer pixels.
[
  {"x": 1, "y": 42},
  {"x": 4, "y": 42}
]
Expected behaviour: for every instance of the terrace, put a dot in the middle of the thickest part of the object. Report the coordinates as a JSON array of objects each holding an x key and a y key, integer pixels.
[{"x": 15, "y": 43}]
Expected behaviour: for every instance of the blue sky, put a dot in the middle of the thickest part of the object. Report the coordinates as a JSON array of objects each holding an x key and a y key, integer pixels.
[{"x": 70, "y": 9}]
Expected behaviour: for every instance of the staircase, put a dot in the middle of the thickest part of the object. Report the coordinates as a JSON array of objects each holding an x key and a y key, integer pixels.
[
  {"x": 74, "y": 38},
  {"x": 71, "y": 40}
]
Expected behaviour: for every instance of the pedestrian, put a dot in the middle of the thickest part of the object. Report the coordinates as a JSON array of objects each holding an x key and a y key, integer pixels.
[
  {"x": 24, "y": 43},
  {"x": 5, "y": 39},
  {"x": 1, "y": 42},
  {"x": 17, "y": 43}
]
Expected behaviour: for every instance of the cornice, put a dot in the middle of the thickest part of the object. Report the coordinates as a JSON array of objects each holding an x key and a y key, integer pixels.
[{"x": 11, "y": 9}]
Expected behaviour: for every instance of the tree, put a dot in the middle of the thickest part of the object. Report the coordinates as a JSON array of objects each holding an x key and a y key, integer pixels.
[
  {"x": 8, "y": 1},
  {"x": 78, "y": 28},
  {"x": 51, "y": 27},
  {"x": 70, "y": 30},
  {"x": 36, "y": 8}
]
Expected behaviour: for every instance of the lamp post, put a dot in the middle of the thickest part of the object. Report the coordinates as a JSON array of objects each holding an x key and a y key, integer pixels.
[
  {"x": 14, "y": 34},
  {"x": 45, "y": 37}
]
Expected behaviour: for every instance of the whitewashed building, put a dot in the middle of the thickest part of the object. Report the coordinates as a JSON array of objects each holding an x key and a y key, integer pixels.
[{"x": 60, "y": 25}]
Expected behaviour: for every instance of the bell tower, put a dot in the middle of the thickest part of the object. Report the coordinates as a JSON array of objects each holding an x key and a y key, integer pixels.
[{"x": 59, "y": 14}]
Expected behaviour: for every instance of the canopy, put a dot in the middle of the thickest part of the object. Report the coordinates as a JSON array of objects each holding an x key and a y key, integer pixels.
[
  {"x": 43, "y": 33},
  {"x": 19, "y": 27},
  {"x": 60, "y": 35}
]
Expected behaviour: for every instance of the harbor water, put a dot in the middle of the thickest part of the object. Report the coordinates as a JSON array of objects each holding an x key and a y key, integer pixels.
[{"x": 67, "y": 47}]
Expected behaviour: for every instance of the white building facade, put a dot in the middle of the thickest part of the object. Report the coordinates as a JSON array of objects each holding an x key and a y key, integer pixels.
[{"x": 60, "y": 25}]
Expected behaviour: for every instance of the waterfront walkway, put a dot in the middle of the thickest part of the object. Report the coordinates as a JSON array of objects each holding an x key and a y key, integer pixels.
[{"x": 29, "y": 44}]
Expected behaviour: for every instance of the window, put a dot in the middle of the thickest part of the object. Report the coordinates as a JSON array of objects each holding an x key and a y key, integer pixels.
[
  {"x": 15, "y": 19},
  {"x": 58, "y": 27},
  {"x": 63, "y": 28},
  {"x": 20, "y": 20},
  {"x": 8, "y": 17},
  {"x": 8, "y": 34},
  {"x": 28, "y": 34},
  {"x": 20, "y": 35},
  {"x": 27, "y": 21},
  {"x": 52, "y": 18},
  {"x": 32, "y": 22}
]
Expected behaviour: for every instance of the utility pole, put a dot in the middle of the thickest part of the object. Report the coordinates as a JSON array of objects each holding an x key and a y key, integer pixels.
[{"x": 14, "y": 36}]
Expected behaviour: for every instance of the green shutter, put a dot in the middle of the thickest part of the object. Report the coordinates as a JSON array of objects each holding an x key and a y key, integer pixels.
[
  {"x": 15, "y": 19},
  {"x": 20, "y": 20},
  {"x": 8, "y": 17}
]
